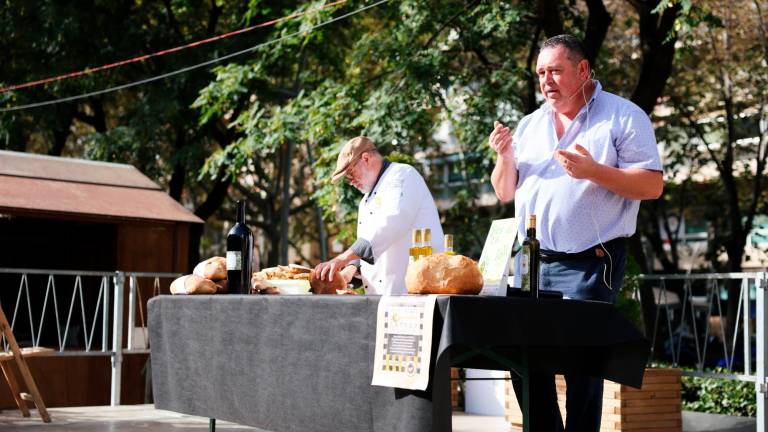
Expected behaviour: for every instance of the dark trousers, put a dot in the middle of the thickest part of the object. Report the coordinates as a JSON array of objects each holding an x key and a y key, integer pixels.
[{"x": 584, "y": 279}]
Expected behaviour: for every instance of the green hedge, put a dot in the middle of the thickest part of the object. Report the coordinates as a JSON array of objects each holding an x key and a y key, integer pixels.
[{"x": 719, "y": 396}]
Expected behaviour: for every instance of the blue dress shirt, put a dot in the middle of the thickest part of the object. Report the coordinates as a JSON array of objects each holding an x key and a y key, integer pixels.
[{"x": 573, "y": 215}]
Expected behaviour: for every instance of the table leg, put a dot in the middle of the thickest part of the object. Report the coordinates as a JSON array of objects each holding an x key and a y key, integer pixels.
[
  {"x": 212, "y": 425},
  {"x": 524, "y": 376},
  {"x": 521, "y": 368}
]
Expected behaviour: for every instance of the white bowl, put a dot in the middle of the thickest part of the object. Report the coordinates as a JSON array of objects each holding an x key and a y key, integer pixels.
[{"x": 289, "y": 286}]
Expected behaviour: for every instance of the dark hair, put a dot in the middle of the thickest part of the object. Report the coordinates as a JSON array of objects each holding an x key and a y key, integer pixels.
[{"x": 573, "y": 44}]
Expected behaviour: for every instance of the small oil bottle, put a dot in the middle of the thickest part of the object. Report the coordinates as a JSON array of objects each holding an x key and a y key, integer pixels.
[
  {"x": 415, "y": 250},
  {"x": 448, "y": 243},
  {"x": 426, "y": 248}
]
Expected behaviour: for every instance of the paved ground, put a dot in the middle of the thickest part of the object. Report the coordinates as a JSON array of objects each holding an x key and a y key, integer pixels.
[{"x": 144, "y": 418}]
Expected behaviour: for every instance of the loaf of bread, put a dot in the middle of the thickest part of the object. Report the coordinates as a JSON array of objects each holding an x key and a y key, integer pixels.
[
  {"x": 443, "y": 274},
  {"x": 325, "y": 287},
  {"x": 193, "y": 284},
  {"x": 214, "y": 268},
  {"x": 222, "y": 286}
]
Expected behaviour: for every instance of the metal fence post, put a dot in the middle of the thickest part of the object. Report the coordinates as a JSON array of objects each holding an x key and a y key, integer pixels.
[
  {"x": 761, "y": 390},
  {"x": 131, "y": 309},
  {"x": 117, "y": 339},
  {"x": 105, "y": 315},
  {"x": 746, "y": 336}
]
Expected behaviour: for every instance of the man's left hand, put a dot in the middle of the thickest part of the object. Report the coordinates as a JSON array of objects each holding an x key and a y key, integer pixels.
[{"x": 579, "y": 164}]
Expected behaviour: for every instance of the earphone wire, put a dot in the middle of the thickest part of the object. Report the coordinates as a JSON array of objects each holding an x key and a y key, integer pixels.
[{"x": 606, "y": 270}]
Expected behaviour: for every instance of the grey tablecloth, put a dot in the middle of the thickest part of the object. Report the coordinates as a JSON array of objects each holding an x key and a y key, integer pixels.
[{"x": 304, "y": 363}]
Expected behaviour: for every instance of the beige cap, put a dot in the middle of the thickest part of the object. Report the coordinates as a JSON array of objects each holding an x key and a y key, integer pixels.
[{"x": 351, "y": 153}]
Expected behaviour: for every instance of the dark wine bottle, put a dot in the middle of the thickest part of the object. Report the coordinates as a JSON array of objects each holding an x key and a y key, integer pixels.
[
  {"x": 239, "y": 251},
  {"x": 530, "y": 260}
]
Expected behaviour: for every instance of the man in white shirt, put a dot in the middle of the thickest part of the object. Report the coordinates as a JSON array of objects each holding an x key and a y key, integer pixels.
[
  {"x": 581, "y": 163},
  {"x": 396, "y": 201}
]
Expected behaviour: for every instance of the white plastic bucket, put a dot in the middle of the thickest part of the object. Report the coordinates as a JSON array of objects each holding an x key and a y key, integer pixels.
[{"x": 484, "y": 397}]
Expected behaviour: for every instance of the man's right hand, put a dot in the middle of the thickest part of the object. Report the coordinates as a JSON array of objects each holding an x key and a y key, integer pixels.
[
  {"x": 500, "y": 141},
  {"x": 325, "y": 271}
]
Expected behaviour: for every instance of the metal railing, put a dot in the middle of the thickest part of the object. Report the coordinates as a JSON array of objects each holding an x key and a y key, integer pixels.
[
  {"x": 700, "y": 297},
  {"x": 94, "y": 310}
]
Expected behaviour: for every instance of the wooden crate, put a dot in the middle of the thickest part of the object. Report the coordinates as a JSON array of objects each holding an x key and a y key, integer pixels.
[
  {"x": 455, "y": 389},
  {"x": 656, "y": 407}
]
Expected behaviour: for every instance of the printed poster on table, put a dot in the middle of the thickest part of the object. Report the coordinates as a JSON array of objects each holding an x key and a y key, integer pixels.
[
  {"x": 497, "y": 252},
  {"x": 403, "y": 341}
]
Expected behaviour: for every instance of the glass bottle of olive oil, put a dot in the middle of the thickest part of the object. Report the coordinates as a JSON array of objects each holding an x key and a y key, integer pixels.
[
  {"x": 426, "y": 248},
  {"x": 448, "y": 243},
  {"x": 415, "y": 250},
  {"x": 530, "y": 260}
]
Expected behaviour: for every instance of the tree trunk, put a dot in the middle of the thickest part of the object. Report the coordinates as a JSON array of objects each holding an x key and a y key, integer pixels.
[
  {"x": 597, "y": 27},
  {"x": 321, "y": 231},
  {"x": 285, "y": 205},
  {"x": 658, "y": 53}
]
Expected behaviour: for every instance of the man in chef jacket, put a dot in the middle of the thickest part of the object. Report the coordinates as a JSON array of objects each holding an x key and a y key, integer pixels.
[{"x": 395, "y": 201}]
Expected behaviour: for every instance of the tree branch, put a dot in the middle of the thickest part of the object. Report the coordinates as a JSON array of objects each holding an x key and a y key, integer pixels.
[
  {"x": 215, "y": 196},
  {"x": 172, "y": 22},
  {"x": 300, "y": 208}
]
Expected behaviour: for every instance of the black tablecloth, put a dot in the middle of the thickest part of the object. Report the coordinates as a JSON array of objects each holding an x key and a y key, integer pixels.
[{"x": 304, "y": 363}]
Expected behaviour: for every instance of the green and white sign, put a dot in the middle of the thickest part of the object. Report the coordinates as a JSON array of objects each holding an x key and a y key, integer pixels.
[{"x": 497, "y": 251}]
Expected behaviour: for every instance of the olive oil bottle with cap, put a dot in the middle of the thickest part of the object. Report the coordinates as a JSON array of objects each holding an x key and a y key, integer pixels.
[
  {"x": 448, "y": 243},
  {"x": 415, "y": 250},
  {"x": 426, "y": 248},
  {"x": 530, "y": 260}
]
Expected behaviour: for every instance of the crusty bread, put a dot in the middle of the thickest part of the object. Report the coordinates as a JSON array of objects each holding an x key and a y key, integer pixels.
[
  {"x": 193, "y": 284},
  {"x": 222, "y": 286},
  {"x": 214, "y": 268},
  {"x": 326, "y": 287},
  {"x": 443, "y": 274}
]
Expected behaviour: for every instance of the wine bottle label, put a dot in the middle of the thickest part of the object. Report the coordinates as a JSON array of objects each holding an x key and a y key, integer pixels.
[
  {"x": 524, "y": 263},
  {"x": 234, "y": 260}
]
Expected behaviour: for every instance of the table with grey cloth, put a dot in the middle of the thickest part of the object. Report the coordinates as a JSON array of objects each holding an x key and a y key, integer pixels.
[{"x": 304, "y": 363}]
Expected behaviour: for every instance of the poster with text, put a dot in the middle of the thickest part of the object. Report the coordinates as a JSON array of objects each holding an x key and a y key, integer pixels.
[{"x": 403, "y": 341}]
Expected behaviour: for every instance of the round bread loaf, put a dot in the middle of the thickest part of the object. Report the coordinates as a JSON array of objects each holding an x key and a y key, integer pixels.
[
  {"x": 214, "y": 268},
  {"x": 443, "y": 274},
  {"x": 325, "y": 287},
  {"x": 192, "y": 284}
]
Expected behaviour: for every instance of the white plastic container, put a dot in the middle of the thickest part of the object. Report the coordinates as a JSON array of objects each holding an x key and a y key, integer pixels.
[{"x": 484, "y": 397}]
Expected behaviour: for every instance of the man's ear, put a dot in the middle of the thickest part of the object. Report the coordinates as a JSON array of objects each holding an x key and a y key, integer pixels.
[{"x": 584, "y": 69}]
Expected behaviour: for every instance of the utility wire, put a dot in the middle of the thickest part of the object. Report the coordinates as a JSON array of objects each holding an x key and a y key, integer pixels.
[
  {"x": 189, "y": 68},
  {"x": 88, "y": 71}
]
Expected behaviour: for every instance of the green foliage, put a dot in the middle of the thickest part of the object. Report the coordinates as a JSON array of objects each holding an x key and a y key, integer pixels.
[
  {"x": 626, "y": 303},
  {"x": 719, "y": 396},
  {"x": 277, "y": 116}
]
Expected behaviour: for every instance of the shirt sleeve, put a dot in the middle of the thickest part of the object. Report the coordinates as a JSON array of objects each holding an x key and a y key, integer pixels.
[
  {"x": 636, "y": 144},
  {"x": 362, "y": 248}
]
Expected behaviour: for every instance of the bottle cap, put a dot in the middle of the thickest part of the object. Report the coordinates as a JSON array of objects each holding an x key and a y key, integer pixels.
[
  {"x": 427, "y": 234},
  {"x": 448, "y": 240},
  {"x": 416, "y": 236},
  {"x": 531, "y": 221}
]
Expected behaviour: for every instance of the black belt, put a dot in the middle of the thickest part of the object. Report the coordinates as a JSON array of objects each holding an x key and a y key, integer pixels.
[{"x": 596, "y": 251}]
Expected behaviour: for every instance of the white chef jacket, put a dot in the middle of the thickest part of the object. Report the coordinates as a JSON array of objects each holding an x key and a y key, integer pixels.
[{"x": 399, "y": 203}]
